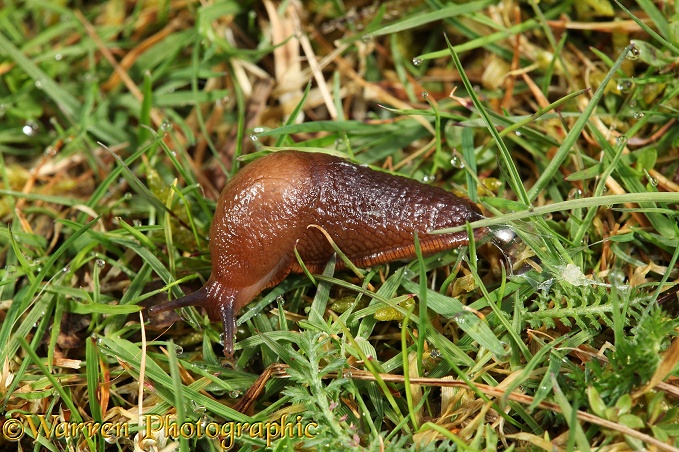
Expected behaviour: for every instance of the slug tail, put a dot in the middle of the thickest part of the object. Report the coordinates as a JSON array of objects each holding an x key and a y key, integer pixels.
[{"x": 197, "y": 298}]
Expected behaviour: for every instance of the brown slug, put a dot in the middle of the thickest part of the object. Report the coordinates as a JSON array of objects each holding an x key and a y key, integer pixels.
[{"x": 266, "y": 209}]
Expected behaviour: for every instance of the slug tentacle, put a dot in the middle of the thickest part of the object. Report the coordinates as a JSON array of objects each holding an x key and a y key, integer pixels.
[
  {"x": 228, "y": 317},
  {"x": 197, "y": 298}
]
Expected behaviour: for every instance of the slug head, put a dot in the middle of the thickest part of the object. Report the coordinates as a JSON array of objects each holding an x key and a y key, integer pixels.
[{"x": 220, "y": 304}]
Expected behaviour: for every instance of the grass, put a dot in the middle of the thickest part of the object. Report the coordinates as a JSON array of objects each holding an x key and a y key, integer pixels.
[{"x": 121, "y": 121}]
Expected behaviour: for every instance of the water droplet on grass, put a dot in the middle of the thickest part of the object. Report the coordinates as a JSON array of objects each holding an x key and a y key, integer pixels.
[
  {"x": 625, "y": 86},
  {"x": 575, "y": 193},
  {"x": 456, "y": 161},
  {"x": 616, "y": 278},
  {"x": 30, "y": 128},
  {"x": 166, "y": 126},
  {"x": 634, "y": 52}
]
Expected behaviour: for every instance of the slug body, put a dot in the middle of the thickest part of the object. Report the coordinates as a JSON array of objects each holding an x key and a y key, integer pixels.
[{"x": 265, "y": 211}]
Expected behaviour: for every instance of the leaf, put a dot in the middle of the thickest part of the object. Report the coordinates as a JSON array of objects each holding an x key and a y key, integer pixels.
[
  {"x": 587, "y": 173},
  {"x": 466, "y": 320}
]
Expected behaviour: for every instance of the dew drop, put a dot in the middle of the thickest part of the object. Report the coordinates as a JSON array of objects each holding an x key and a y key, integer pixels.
[
  {"x": 417, "y": 61},
  {"x": 280, "y": 300},
  {"x": 136, "y": 222},
  {"x": 234, "y": 394},
  {"x": 456, "y": 161},
  {"x": 425, "y": 94},
  {"x": 166, "y": 125},
  {"x": 178, "y": 349},
  {"x": 127, "y": 195},
  {"x": 653, "y": 181},
  {"x": 428, "y": 178},
  {"x": 66, "y": 269},
  {"x": 222, "y": 102},
  {"x": 616, "y": 278},
  {"x": 621, "y": 140},
  {"x": 638, "y": 114},
  {"x": 572, "y": 274},
  {"x": 625, "y": 85},
  {"x": 100, "y": 263},
  {"x": 504, "y": 234},
  {"x": 253, "y": 137},
  {"x": 39, "y": 84},
  {"x": 258, "y": 129},
  {"x": 30, "y": 128},
  {"x": 367, "y": 38},
  {"x": 58, "y": 57},
  {"x": 50, "y": 151},
  {"x": 575, "y": 193},
  {"x": 518, "y": 133},
  {"x": 634, "y": 52},
  {"x": 435, "y": 353}
]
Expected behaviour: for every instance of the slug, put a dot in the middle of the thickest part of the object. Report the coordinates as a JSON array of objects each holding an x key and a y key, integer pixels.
[{"x": 265, "y": 211}]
